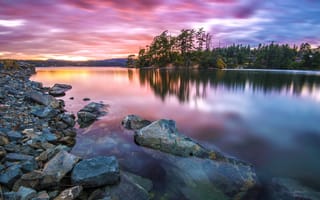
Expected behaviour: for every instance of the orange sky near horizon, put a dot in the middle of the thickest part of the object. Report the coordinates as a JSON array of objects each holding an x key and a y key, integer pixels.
[{"x": 100, "y": 29}]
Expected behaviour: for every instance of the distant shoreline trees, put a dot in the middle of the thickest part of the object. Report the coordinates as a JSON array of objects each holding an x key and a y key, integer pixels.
[{"x": 192, "y": 48}]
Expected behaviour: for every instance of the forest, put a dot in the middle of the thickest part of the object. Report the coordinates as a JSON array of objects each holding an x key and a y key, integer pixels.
[{"x": 193, "y": 48}]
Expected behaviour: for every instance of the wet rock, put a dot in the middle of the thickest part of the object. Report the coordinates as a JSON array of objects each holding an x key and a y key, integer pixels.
[
  {"x": 69, "y": 194},
  {"x": 44, "y": 112},
  {"x": 59, "y": 89},
  {"x": 90, "y": 113},
  {"x": 43, "y": 99},
  {"x": 10, "y": 175},
  {"x": 48, "y": 136},
  {"x": 289, "y": 189},
  {"x": 59, "y": 166},
  {"x": 43, "y": 195},
  {"x": 26, "y": 193},
  {"x": 68, "y": 140},
  {"x": 163, "y": 135},
  {"x": 134, "y": 122},
  {"x": 86, "y": 99},
  {"x": 96, "y": 172}
]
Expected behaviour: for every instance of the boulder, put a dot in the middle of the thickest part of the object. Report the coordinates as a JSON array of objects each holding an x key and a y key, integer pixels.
[
  {"x": 59, "y": 89},
  {"x": 67, "y": 118},
  {"x": 56, "y": 168},
  {"x": 95, "y": 172},
  {"x": 163, "y": 135},
  {"x": 31, "y": 180},
  {"x": 70, "y": 193},
  {"x": 134, "y": 122},
  {"x": 90, "y": 113},
  {"x": 290, "y": 189},
  {"x": 43, "y": 99},
  {"x": 26, "y": 193}
]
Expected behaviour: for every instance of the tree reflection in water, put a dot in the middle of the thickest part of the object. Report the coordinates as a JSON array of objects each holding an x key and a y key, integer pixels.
[{"x": 180, "y": 82}]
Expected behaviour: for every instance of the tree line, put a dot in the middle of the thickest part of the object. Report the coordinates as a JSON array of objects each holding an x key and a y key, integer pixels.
[{"x": 193, "y": 48}]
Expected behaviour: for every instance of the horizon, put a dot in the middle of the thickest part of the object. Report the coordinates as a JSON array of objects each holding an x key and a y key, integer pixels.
[{"x": 78, "y": 31}]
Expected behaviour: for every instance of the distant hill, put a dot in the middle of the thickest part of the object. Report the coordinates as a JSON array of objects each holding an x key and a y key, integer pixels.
[{"x": 51, "y": 62}]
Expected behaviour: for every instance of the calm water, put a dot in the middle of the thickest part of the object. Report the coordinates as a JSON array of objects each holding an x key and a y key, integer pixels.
[{"x": 268, "y": 118}]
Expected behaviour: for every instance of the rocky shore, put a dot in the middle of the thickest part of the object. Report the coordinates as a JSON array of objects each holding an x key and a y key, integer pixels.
[{"x": 37, "y": 134}]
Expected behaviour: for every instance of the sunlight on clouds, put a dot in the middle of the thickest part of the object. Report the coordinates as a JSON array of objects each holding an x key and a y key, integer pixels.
[
  {"x": 11, "y": 23},
  {"x": 66, "y": 57}
]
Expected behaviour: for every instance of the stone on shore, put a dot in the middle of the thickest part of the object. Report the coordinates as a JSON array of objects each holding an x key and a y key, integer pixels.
[
  {"x": 163, "y": 135},
  {"x": 134, "y": 122},
  {"x": 44, "y": 112},
  {"x": 56, "y": 168},
  {"x": 289, "y": 189},
  {"x": 90, "y": 113},
  {"x": 70, "y": 193},
  {"x": 59, "y": 89},
  {"x": 43, "y": 99},
  {"x": 96, "y": 172}
]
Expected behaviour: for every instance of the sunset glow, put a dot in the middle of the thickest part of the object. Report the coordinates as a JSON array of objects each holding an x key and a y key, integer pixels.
[{"x": 98, "y": 29}]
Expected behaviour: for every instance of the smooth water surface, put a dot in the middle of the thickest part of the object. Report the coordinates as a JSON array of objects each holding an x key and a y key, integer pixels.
[{"x": 268, "y": 118}]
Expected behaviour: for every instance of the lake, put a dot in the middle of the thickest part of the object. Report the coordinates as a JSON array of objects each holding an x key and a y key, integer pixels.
[{"x": 270, "y": 118}]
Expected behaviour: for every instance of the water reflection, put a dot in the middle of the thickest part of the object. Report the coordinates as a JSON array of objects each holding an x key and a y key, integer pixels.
[
  {"x": 270, "y": 119},
  {"x": 180, "y": 83}
]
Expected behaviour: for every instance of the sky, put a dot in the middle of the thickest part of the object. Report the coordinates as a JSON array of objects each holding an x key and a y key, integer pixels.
[{"x": 103, "y": 29}]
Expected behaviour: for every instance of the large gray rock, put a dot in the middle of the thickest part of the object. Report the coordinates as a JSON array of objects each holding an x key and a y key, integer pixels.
[
  {"x": 59, "y": 89},
  {"x": 90, "y": 113},
  {"x": 56, "y": 168},
  {"x": 163, "y": 135},
  {"x": 96, "y": 172},
  {"x": 134, "y": 122},
  {"x": 43, "y": 99},
  {"x": 289, "y": 189},
  {"x": 70, "y": 193}
]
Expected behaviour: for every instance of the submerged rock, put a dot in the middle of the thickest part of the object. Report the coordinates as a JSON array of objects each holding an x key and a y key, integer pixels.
[
  {"x": 90, "y": 113},
  {"x": 59, "y": 89},
  {"x": 131, "y": 187},
  {"x": 197, "y": 178},
  {"x": 289, "y": 189},
  {"x": 134, "y": 122},
  {"x": 96, "y": 172}
]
